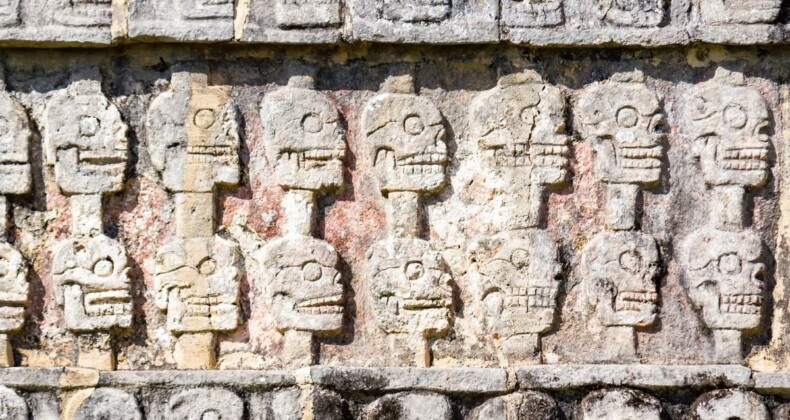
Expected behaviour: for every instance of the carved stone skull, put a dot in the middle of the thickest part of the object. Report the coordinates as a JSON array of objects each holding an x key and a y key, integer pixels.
[
  {"x": 730, "y": 127},
  {"x": 86, "y": 140},
  {"x": 305, "y": 286},
  {"x": 519, "y": 127},
  {"x": 407, "y": 137},
  {"x": 530, "y": 405},
  {"x": 724, "y": 277},
  {"x": 12, "y": 406},
  {"x": 743, "y": 11},
  {"x": 13, "y": 289},
  {"x": 205, "y": 404},
  {"x": 409, "y": 406},
  {"x": 620, "y": 270},
  {"x": 520, "y": 285},
  {"x": 731, "y": 404},
  {"x": 15, "y": 135},
  {"x": 94, "y": 286},
  {"x": 623, "y": 121},
  {"x": 308, "y": 13},
  {"x": 197, "y": 283},
  {"x": 206, "y": 9},
  {"x": 415, "y": 11},
  {"x": 411, "y": 290},
  {"x": 106, "y": 403},
  {"x": 532, "y": 13},
  {"x": 194, "y": 135},
  {"x": 620, "y": 404},
  {"x": 639, "y": 13},
  {"x": 86, "y": 13},
  {"x": 303, "y": 138}
]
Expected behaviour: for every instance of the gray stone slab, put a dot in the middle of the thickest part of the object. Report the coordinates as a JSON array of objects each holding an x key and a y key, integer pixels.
[
  {"x": 647, "y": 37},
  {"x": 425, "y": 21},
  {"x": 643, "y": 376},
  {"x": 55, "y": 23},
  {"x": 772, "y": 382},
  {"x": 31, "y": 378},
  {"x": 181, "y": 20},
  {"x": 737, "y": 34},
  {"x": 445, "y": 380},
  {"x": 295, "y": 21},
  {"x": 168, "y": 378}
]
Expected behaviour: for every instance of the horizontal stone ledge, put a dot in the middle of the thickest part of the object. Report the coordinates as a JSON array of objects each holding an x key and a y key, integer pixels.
[
  {"x": 772, "y": 382},
  {"x": 173, "y": 378},
  {"x": 641, "y": 376},
  {"x": 445, "y": 380}
]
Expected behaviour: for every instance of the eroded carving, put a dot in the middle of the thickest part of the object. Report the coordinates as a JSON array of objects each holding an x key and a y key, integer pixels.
[
  {"x": 85, "y": 141},
  {"x": 729, "y": 125},
  {"x": 206, "y": 403},
  {"x": 86, "y": 13},
  {"x": 307, "y": 13},
  {"x": 12, "y": 406},
  {"x": 520, "y": 405},
  {"x": 625, "y": 404},
  {"x": 622, "y": 120},
  {"x": 414, "y": 11},
  {"x": 717, "y": 12},
  {"x": 638, "y": 13},
  {"x": 411, "y": 286},
  {"x": 731, "y": 404},
  {"x": 105, "y": 403},
  {"x": 409, "y": 406},
  {"x": 9, "y": 13},
  {"x": 194, "y": 145},
  {"x": 205, "y": 9},
  {"x": 530, "y": 13}
]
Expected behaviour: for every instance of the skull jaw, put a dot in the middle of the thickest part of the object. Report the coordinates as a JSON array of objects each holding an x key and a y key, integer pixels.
[
  {"x": 185, "y": 317},
  {"x": 534, "y": 321},
  {"x": 329, "y": 177},
  {"x": 12, "y": 318},
  {"x": 638, "y": 319},
  {"x": 611, "y": 164},
  {"x": 716, "y": 319},
  {"x": 287, "y": 317},
  {"x": 15, "y": 178},
  {"x": 78, "y": 177},
  {"x": 83, "y": 317}
]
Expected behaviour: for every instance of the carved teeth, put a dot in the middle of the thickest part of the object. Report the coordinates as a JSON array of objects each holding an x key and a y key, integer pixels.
[
  {"x": 745, "y": 159},
  {"x": 109, "y": 302},
  {"x": 318, "y": 310},
  {"x": 749, "y": 304},
  {"x": 417, "y": 302},
  {"x": 332, "y": 300},
  {"x": 640, "y": 157},
  {"x": 635, "y": 301}
]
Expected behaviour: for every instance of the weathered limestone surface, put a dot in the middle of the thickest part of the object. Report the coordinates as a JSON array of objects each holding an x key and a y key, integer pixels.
[{"x": 368, "y": 223}]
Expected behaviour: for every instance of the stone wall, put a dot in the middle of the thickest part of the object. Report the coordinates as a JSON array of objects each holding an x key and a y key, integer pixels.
[{"x": 198, "y": 221}]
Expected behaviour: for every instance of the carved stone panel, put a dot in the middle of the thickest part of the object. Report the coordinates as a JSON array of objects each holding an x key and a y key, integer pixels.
[
  {"x": 529, "y": 14},
  {"x": 425, "y": 20},
  {"x": 12, "y": 406},
  {"x": 731, "y": 404},
  {"x": 717, "y": 12},
  {"x": 637, "y": 13},
  {"x": 13, "y": 289},
  {"x": 181, "y": 20},
  {"x": 315, "y": 21},
  {"x": 521, "y": 405},
  {"x": 15, "y": 136},
  {"x": 78, "y": 22},
  {"x": 624, "y": 404},
  {"x": 409, "y": 406}
]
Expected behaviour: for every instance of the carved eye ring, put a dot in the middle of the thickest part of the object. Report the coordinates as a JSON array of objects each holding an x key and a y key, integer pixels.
[
  {"x": 730, "y": 263},
  {"x": 735, "y": 116},
  {"x": 413, "y": 125},
  {"x": 311, "y": 271},
  {"x": 631, "y": 261},
  {"x": 205, "y": 118},
  {"x": 312, "y": 123},
  {"x": 627, "y": 117},
  {"x": 103, "y": 267},
  {"x": 207, "y": 266},
  {"x": 414, "y": 270},
  {"x": 520, "y": 258}
]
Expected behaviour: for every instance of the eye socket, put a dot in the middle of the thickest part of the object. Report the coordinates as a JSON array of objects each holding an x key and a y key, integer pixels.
[
  {"x": 413, "y": 125},
  {"x": 631, "y": 261},
  {"x": 735, "y": 116},
  {"x": 658, "y": 124},
  {"x": 311, "y": 271},
  {"x": 103, "y": 267},
  {"x": 627, "y": 117},
  {"x": 207, "y": 266},
  {"x": 89, "y": 126},
  {"x": 414, "y": 270},
  {"x": 730, "y": 263},
  {"x": 205, "y": 118},
  {"x": 520, "y": 258},
  {"x": 312, "y": 123}
]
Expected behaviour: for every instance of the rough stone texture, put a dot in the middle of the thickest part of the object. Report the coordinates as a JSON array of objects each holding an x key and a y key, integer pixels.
[{"x": 401, "y": 231}]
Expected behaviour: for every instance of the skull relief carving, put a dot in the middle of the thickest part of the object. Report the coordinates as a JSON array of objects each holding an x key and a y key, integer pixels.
[
  {"x": 743, "y": 11},
  {"x": 304, "y": 139},
  {"x": 194, "y": 135},
  {"x": 408, "y": 141},
  {"x": 639, "y": 13},
  {"x": 620, "y": 270},
  {"x": 15, "y": 135},
  {"x": 13, "y": 289},
  {"x": 206, "y": 404},
  {"x": 411, "y": 288},
  {"x": 520, "y": 130},
  {"x": 624, "y": 122},
  {"x": 197, "y": 283},
  {"x": 724, "y": 277},
  {"x": 620, "y": 404},
  {"x": 731, "y": 404},
  {"x": 520, "y": 285},
  {"x": 106, "y": 403},
  {"x": 532, "y": 13},
  {"x": 415, "y": 11},
  {"x": 307, "y": 13},
  {"x": 730, "y": 127},
  {"x": 305, "y": 286},
  {"x": 86, "y": 140},
  {"x": 94, "y": 286}
]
